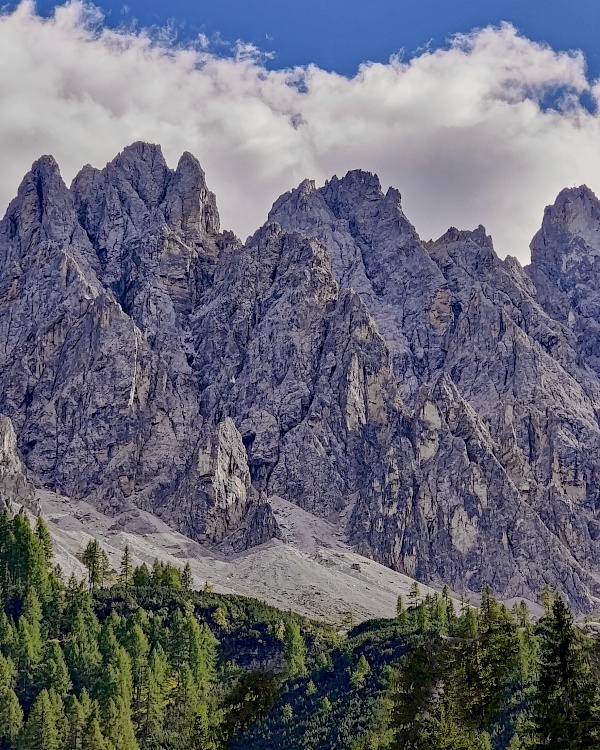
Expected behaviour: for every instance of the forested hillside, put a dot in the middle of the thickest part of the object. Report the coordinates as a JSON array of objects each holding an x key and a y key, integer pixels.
[{"x": 136, "y": 659}]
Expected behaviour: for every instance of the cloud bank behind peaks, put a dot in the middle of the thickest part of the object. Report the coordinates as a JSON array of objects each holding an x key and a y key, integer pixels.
[{"x": 487, "y": 130}]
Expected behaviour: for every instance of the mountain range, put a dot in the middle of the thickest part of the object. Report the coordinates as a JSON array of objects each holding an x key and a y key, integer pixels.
[{"x": 437, "y": 405}]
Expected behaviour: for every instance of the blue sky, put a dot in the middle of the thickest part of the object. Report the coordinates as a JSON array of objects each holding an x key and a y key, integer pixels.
[{"x": 340, "y": 34}]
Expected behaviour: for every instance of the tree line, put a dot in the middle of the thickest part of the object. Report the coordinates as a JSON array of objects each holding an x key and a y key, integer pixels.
[
  {"x": 83, "y": 666},
  {"x": 135, "y": 659}
]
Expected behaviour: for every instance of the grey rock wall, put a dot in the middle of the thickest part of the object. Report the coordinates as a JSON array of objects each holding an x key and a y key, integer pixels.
[
  {"x": 14, "y": 484},
  {"x": 437, "y": 403}
]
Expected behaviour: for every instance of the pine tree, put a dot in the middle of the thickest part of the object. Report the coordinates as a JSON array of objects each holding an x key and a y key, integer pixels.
[
  {"x": 40, "y": 731},
  {"x": 295, "y": 650},
  {"x": 126, "y": 573},
  {"x": 141, "y": 576},
  {"x": 566, "y": 702},
  {"x": 154, "y": 708},
  {"x": 11, "y": 714},
  {"x": 42, "y": 533},
  {"x": 92, "y": 738},
  {"x": 96, "y": 561},
  {"x": 53, "y": 672},
  {"x": 187, "y": 579}
]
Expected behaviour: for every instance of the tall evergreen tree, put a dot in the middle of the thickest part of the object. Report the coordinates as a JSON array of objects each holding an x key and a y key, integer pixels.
[
  {"x": 53, "y": 672},
  {"x": 92, "y": 738},
  {"x": 42, "y": 533},
  {"x": 141, "y": 576},
  {"x": 81, "y": 650},
  {"x": 126, "y": 572},
  {"x": 96, "y": 561},
  {"x": 40, "y": 730},
  {"x": 11, "y": 713},
  {"x": 183, "y": 707},
  {"x": 152, "y": 730},
  {"x": 187, "y": 579},
  {"x": 295, "y": 650},
  {"x": 566, "y": 702}
]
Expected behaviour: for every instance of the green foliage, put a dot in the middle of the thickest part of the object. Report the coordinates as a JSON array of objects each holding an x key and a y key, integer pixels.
[
  {"x": 126, "y": 572},
  {"x": 295, "y": 650},
  {"x": 96, "y": 561},
  {"x": 41, "y": 731},
  {"x": 137, "y": 665},
  {"x": 361, "y": 670},
  {"x": 566, "y": 706}
]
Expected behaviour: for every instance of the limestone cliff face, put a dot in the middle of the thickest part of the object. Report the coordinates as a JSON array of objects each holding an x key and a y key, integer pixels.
[
  {"x": 14, "y": 484},
  {"x": 500, "y": 409},
  {"x": 436, "y": 402}
]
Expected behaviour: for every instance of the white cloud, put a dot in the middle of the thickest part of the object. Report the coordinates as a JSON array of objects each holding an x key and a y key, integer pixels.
[{"x": 460, "y": 131}]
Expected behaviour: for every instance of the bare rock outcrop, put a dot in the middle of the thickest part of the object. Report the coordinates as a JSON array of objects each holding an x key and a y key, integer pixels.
[
  {"x": 438, "y": 404},
  {"x": 14, "y": 484}
]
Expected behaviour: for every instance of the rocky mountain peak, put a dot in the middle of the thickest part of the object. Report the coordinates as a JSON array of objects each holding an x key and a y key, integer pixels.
[
  {"x": 435, "y": 403},
  {"x": 355, "y": 183},
  {"x": 565, "y": 265},
  {"x": 143, "y": 167},
  {"x": 473, "y": 251},
  {"x": 43, "y": 206},
  {"x": 570, "y": 229},
  {"x": 189, "y": 205}
]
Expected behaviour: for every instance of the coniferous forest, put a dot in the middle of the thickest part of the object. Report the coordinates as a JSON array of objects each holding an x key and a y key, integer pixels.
[{"x": 135, "y": 658}]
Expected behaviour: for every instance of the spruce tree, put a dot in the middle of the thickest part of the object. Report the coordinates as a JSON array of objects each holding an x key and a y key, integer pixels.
[
  {"x": 183, "y": 707},
  {"x": 96, "y": 561},
  {"x": 77, "y": 718},
  {"x": 141, "y": 576},
  {"x": 154, "y": 706},
  {"x": 187, "y": 578},
  {"x": 81, "y": 650},
  {"x": 60, "y": 719},
  {"x": 53, "y": 672},
  {"x": 11, "y": 714},
  {"x": 138, "y": 649},
  {"x": 27, "y": 654},
  {"x": 126, "y": 572},
  {"x": 566, "y": 702},
  {"x": 414, "y": 594},
  {"x": 117, "y": 686},
  {"x": 40, "y": 730},
  {"x": 400, "y": 609},
  {"x": 92, "y": 738},
  {"x": 42, "y": 533}
]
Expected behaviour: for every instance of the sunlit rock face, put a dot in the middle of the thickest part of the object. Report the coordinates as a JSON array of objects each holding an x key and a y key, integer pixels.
[{"x": 435, "y": 402}]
